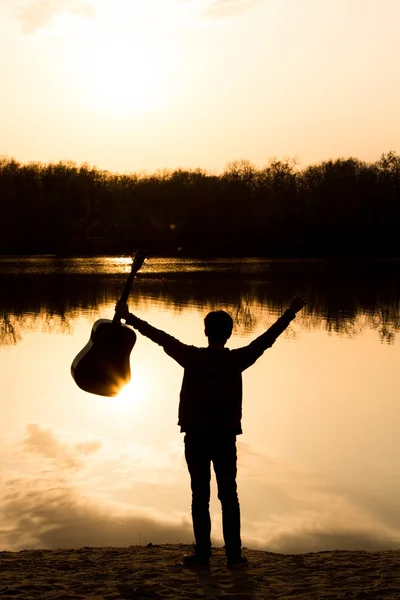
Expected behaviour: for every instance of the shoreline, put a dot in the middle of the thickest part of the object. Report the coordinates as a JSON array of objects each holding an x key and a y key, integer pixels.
[{"x": 154, "y": 571}]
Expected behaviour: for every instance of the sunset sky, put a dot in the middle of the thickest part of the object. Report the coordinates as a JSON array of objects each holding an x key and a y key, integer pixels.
[{"x": 132, "y": 85}]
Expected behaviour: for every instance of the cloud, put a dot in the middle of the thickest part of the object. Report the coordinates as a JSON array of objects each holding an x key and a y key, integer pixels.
[
  {"x": 336, "y": 524},
  {"x": 42, "y": 442},
  {"x": 303, "y": 512},
  {"x": 68, "y": 495},
  {"x": 39, "y": 13},
  {"x": 59, "y": 517},
  {"x": 313, "y": 540},
  {"x": 58, "y": 501},
  {"x": 56, "y": 494}
]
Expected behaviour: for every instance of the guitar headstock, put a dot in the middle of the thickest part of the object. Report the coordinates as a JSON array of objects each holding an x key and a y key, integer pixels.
[{"x": 138, "y": 259}]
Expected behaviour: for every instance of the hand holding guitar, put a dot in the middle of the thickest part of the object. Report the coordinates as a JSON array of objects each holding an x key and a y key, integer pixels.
[{"x": 122, "y": 310}]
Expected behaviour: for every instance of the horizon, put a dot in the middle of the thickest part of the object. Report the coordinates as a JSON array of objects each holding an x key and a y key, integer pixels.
[
  {"x": 189, "y": 84},
  {"x": 243, "y": 162}
]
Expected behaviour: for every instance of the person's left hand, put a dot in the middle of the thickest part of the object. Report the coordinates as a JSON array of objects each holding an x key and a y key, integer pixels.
[{"x": 122, "y": 310}]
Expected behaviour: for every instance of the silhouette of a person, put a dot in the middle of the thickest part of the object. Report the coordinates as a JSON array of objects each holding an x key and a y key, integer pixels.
[{"x": 210, "y": 412}]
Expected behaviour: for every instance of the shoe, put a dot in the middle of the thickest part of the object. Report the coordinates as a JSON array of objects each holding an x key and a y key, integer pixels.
[
  {"x": 237, "y": 561},
  {"x": 195, "y": 560}
]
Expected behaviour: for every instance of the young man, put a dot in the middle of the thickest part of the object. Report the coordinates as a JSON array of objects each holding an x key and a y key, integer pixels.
[{"x": 210, "y": 413}]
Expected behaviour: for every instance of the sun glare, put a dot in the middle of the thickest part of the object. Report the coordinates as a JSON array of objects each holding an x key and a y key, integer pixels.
[
  {"x": 123, "y": 63},
  {"x": 132, "y": 394}
]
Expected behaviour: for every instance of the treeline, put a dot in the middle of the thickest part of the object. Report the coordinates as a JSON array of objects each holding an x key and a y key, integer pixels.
[{"x": 338, "y": 208}]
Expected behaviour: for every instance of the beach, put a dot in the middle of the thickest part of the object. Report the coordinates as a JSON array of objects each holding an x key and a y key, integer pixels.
[{"x": 155, "y": 572}]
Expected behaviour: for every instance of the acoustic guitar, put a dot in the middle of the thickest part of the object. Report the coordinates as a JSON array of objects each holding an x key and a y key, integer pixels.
[{"x": 103, "y": 366}]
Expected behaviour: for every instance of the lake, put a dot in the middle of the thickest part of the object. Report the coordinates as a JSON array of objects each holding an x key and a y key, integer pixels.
[{"x": 318, "y": 461}]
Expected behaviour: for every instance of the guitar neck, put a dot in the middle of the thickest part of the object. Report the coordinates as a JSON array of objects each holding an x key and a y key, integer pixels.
[
  {"x": 128, "y": 285},
  {"x": 136, "y": 265}
]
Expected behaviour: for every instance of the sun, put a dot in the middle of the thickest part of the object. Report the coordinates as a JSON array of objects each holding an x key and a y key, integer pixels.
[
  {"x": 124, "y": 77},
  {"x": 133, "y": 394},
  {"x": 128, "y": 404},
  {"x": 124, "y": 67}
]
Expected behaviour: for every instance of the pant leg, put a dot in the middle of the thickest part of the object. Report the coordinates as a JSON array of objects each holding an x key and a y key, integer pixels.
[
  {"x": 225, "y": 467},
  {"x": 197, "y": 454}
]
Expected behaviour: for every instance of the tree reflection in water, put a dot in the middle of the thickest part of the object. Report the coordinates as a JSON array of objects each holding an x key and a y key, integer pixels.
[{"x": 343, "y": 298}]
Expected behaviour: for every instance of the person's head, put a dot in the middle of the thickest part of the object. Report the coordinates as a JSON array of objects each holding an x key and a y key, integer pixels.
[{"x": 218, "y": 326}]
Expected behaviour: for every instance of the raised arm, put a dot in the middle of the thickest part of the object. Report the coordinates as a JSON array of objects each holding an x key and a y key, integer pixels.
[
  {"x": 249, "y": 354},
  {"x": 173, "y": 347}
]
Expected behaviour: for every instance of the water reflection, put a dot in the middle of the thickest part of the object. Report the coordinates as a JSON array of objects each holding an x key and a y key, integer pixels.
[
  {"x": 318, "y": 460},
  {"x": 47, "y": 293}
]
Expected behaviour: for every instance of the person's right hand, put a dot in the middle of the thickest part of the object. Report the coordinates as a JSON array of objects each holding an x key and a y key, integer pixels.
[{"x": 298, "y": 302}]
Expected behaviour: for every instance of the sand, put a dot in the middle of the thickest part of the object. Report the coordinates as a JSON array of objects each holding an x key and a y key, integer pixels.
[{"x": 154, "y": 572}]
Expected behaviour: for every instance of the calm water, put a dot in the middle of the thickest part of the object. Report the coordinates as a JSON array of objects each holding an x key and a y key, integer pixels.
[{"x": 319, "y": 457}]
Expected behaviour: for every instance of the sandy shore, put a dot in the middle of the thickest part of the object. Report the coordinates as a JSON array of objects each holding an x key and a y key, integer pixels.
[{"x": 146, "y": 572}]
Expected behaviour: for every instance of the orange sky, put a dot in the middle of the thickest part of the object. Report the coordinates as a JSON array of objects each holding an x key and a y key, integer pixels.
[{"x": 129, "y": 85}]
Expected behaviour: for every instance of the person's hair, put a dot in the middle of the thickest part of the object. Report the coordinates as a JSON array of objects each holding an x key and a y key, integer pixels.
[{"x": 218, "y": 326}]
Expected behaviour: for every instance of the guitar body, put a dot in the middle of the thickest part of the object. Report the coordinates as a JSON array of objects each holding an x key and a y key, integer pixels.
[{"x": 102, "y": 367}]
